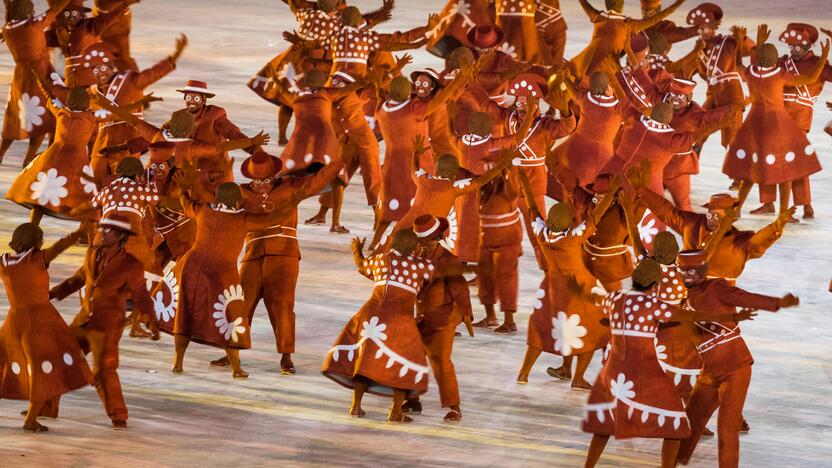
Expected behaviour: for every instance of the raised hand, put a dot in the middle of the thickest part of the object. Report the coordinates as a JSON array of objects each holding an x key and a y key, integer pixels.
[
  {"x": 181, "y": 43},
  {"x": 148, "y": 98},
  {"x": 763, "y": 34},
  {"x": 639, "y": 176},
  {"x": 826, "y": 31},
  {"x": 419, "y": 144},
  {"x": 789, "y": 300},
  {"x": 387, "y": 9},
  {"x": 292, "y": 37},
  {"x": 433, "y": 21},
  {"x": 825, "y": 49},
  {"x": 260, "y": 139},
  {"x": 403, "y": 61},
  {"x": 784, "y": 217},
  {"x": 739, "y": 33},
  {"x": 358, "y": 244},
  {"x": 745, "y": 314}
]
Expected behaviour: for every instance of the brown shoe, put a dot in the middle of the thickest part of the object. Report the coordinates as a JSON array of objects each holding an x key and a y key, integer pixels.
[
  {"x": 240, "y": 375},
  {"x": 506, "y": 329},
  {"x": 486, "y": 323},
  {"x": 453, "y": 416},
  {"x": 559, "y": 373},
  {"x": 707, "y": 432},
  {"x": 119, "y": 424},
  {"x": 808, "y": 212},
  {"x": 764, "y": 209},
  {"x": 412, "y": 407},
  {"x": 221, "y": 362},
  {"x": 140, "y": 333},
  {"x": 745, "y": 429},
  {"x": 35, "y": 427},
  {"x": 401, "y": 419}
]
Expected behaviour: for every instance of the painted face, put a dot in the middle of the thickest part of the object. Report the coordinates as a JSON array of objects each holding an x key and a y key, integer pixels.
[
  {"x": 679, "y": 101},
  {"x": 194, "y": 102},
  {"x": 712, "y": 218},
  {"x": 161, "y": 171},
  {"x": 338, "y": 83},
  {"x": 262, "y": 186},
  {"x": 799, "y": 51},
  {"x": 108, "y": 237},
  {"x": 707, "y": 31},
  {"x": 521, "y": 104},
  {"x": 692, "y": 277},
  {"x": 424, "y": 86},
  {"x": 72, "y": 18},
  {"x": 103, "y": 74}
]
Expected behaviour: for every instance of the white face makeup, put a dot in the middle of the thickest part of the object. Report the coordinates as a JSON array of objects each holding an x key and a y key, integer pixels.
[
  {"x": 423, "y": 85},
  {"x": 194, "y": 101}
]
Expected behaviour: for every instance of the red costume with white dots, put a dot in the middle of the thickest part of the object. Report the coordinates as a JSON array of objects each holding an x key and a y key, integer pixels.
[{"x": 381, "y": 342}]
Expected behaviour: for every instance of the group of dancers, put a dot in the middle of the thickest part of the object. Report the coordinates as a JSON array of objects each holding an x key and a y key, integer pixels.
[{"x": 472, "y": 149}]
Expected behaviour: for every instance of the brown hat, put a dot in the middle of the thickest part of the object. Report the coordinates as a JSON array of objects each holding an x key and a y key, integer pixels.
[
  {"x": 705, "y": 14},
  {"x": 161, "y": 151},
  {"x": 196, "y": 86},
  {"x": 430, "y": 73},
  {"x": 528, "y": 84},
  {"x": 261, "y": 165},
  {"x": 485, "y": 36},
  {"x": 428, "y": 226},
  {"x": 690, "y": 259},
  {"x": 118, "y": 222},
  {"x": 77, "y": 5},
  {"x": 720, "y": 201},
  {"x": 799, "y": 34}
]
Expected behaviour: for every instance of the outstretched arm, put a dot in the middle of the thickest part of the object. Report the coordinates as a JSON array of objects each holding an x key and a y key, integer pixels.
[
  {"x": 374, "y": 18},
  {"x": 257, "y": 140},
  {"x": 488, "y": 175},
  {"x": 527, "y": 192},
  {"x": 763, "y": 239},
  {"x": 803, "y": 80},
  {"x": 51, "y": 252},
  {"x": 590, "y": 11},
  {"x": 642, "y": 24},
  {"x": 628, "y": 204}
]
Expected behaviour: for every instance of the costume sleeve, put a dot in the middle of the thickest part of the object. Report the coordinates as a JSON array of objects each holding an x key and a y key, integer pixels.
[
  {"x": 189, "y": 207},
  {"x": 226, "y": 128},
  {"x": 312, "y": 184},
  {"x": 58, "y": 247},
  {"x": 827, "y": 72},
  {"x": 677, "y": 219},
  {"x": 103, "y": 21},
  {"x": 412, "y": 37},
  {"x": 148, "y": 76},
  {"x": 675, "y": 33},
  {"x": 69, "y": 285},
  {"x": 366, "y": 267},
  {"x": 736, "y": 297},
  {"x": 557, "y": 128},
  {"x": 762, "y": 240}
]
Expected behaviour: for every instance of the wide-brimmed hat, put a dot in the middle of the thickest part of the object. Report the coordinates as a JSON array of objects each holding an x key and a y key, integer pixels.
[
  {"x": 161, "y": 151},
  {"x": 196, "y": 86},
  {"x": 428, "y": 226},
  {"x": 485, "y": 36},
  {"x": 261, "y": 165},
  {"x": 799, "y": 34},
  {"x": 690, "y": 259},
  {"x": 705, "y": 14},
  {"x": 118, "y": 222},
  {"x": 77, "y": 5},
  {"x": 720, "y": 201},
  {"x": 430, "y": 72}
]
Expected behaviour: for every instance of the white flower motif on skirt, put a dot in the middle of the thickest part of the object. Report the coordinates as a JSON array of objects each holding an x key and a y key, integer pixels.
[
  {"x": 165, "y": 311},
  {"x": 508, "y": 49},
  {"x": 229, "y": 330},
  {"x": 88, "y": 180},
  {"x": 567, "y": 332},
  {"x": 30, "y": 112},
  {"x": 49, "y": 188}
]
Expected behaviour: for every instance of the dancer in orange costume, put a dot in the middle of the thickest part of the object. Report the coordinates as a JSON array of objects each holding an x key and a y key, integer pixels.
[{"x": 117, "y": 35}]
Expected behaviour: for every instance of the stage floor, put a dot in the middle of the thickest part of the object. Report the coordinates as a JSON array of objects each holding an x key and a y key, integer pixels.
[{"x": 205, "y": 418}]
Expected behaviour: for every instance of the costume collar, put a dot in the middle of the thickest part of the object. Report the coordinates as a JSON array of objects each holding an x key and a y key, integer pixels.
[
  {"x": 653, "y": 126},
  {"x": 602, "y": 100}
]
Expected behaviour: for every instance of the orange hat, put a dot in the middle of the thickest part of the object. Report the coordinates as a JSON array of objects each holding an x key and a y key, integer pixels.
[
  {"x": 799, "y": 34},
  {"x": 196, "y": 86},
  {"x": 681, "y": 86},
  {"x": 118, "y": 222},
  {"x": 96, "y": 55},
  {"x": 428, "y": 226},
  {"x": 161, "y": 151},
  {"x": 528, "y": 85},
  {"x": 690, "y": 259},
  {"x": 601, "y": 184},
  {"x": 720, "y": 201},
  {"x": 650, "y": 5},
  {"x": 77, "y": 5},
  {"x": 430, "y": 72},
  {"x": 261, "y": 165},
  {"x": 705, "y": 14},
  {"x": 485, "y": 36}
]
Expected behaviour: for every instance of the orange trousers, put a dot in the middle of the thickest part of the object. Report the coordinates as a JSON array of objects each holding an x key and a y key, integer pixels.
[
  {"x": 104, "y": 348},
  {"x": 439, "y": 343},
  {"x": 498, "y": 276},
  {"x": 273, "y": 278},
  {"x": 679, "y": 188},
  {"x": 727, "y": 393},
  {"x": 801, "y": 192},
  {"x": 360, "y": 149}
]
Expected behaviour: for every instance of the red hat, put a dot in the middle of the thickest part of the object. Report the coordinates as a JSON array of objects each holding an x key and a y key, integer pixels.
[
  {"x": 639, "y": 42},
  {"x": 77, "y": 5},
  {"x": 681, "y": 86},
  {"x": 161, "y": 151},
  {"x": 261, "y": 165},
  {"x": 690, "y": 259},
  {"x": 430, "y": 72},
  {"x": 196, "y": 86},
  {"x": 705, "y": 14},
  {"x": 83, "y": 65},
  {"x": 601, "y": 185},
  {"x": 650, "y": 5},
  {"x": 428, "y": 226},
  {"x": 528, "y": 84},
  {"x": 720, "y": 201},
  {"x": 799, "y": 34},
  {"x": 118, "y": 222},
  {"x": 137, "y": 145},
  {"x": 485, "y": 36}
]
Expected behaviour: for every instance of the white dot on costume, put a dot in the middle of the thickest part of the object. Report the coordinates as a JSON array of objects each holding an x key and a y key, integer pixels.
[
  {"x": 740, "y": 154},
  {"x": 648, "y": 304},
  {"x": 640, "y": 298},
  {"x": 68, "y": 359},
  {"x": 412, "y": 200},
  {"x": 426, "y": 276},
  {"x": 400, "y": 279},
  {"x": 290, "y": 164},
  {"x": 327, "y": 159},
  {"x": 663, "y": 295},
  {"x": 308, "y": 158},
  {"x": 789, "y": 156},
  {"x": 628, "y": 326},
  {"x": 46, "y": 366},
  {"x": 631, "y": 317},
  {"x": 754, "y": 157},
  {"x": 663, "y": 306},
  {"x": 404, "y": 264},
  {"x": 641, "y": 319},
  {"x": 421, "y": 265},
  {"x": 394, "y": 262},
  {"x": 667, "y": 314},
  {"x": 430, "y": 267},
  {"x": 15, "y": 368},
  {"x": 540, "y": 293},
  {"x": 770, "y": 159},
  {"x": 615, "y": 316},
  {"x": 808, "y": 150},
  {"x": 637, "y": 327},
  {"x": 394, "y": 204},
  {"x": 629, "y": 302}
]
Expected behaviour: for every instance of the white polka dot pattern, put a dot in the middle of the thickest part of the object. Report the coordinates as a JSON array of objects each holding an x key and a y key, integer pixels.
[
  {"x": 394, "y": 269},
  {"x": 125, "y": 195}
]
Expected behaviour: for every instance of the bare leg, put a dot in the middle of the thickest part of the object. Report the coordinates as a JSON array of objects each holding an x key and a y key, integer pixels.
[
  {"x": 670, "y": 448},
  {"x": 578, "y": 380},
  {"x": 396, "y": 414},
  {"x": 380, "y": 229},
  {"x": 337, "y": 203},
  {"x": 359, "y": 387},
  {"x": 180, "y": 345},
  {"x": 287, "y": 367},
  {"x": 4, "y": 146},
  {"x": 234, "y": 359},
  {"x": 596, "y": 448},
  {"x": 284, "y": 116},
  {"x": 31, "y": 424},
  {"x": 320, "y": 216},
  {"x": 532, "y": 354},
  {"x": 34, "y": 145},
  {"x": 564, "y": 372},
  {"x": 490, "y": 319},
  {"x": 508, "y": 325}
]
